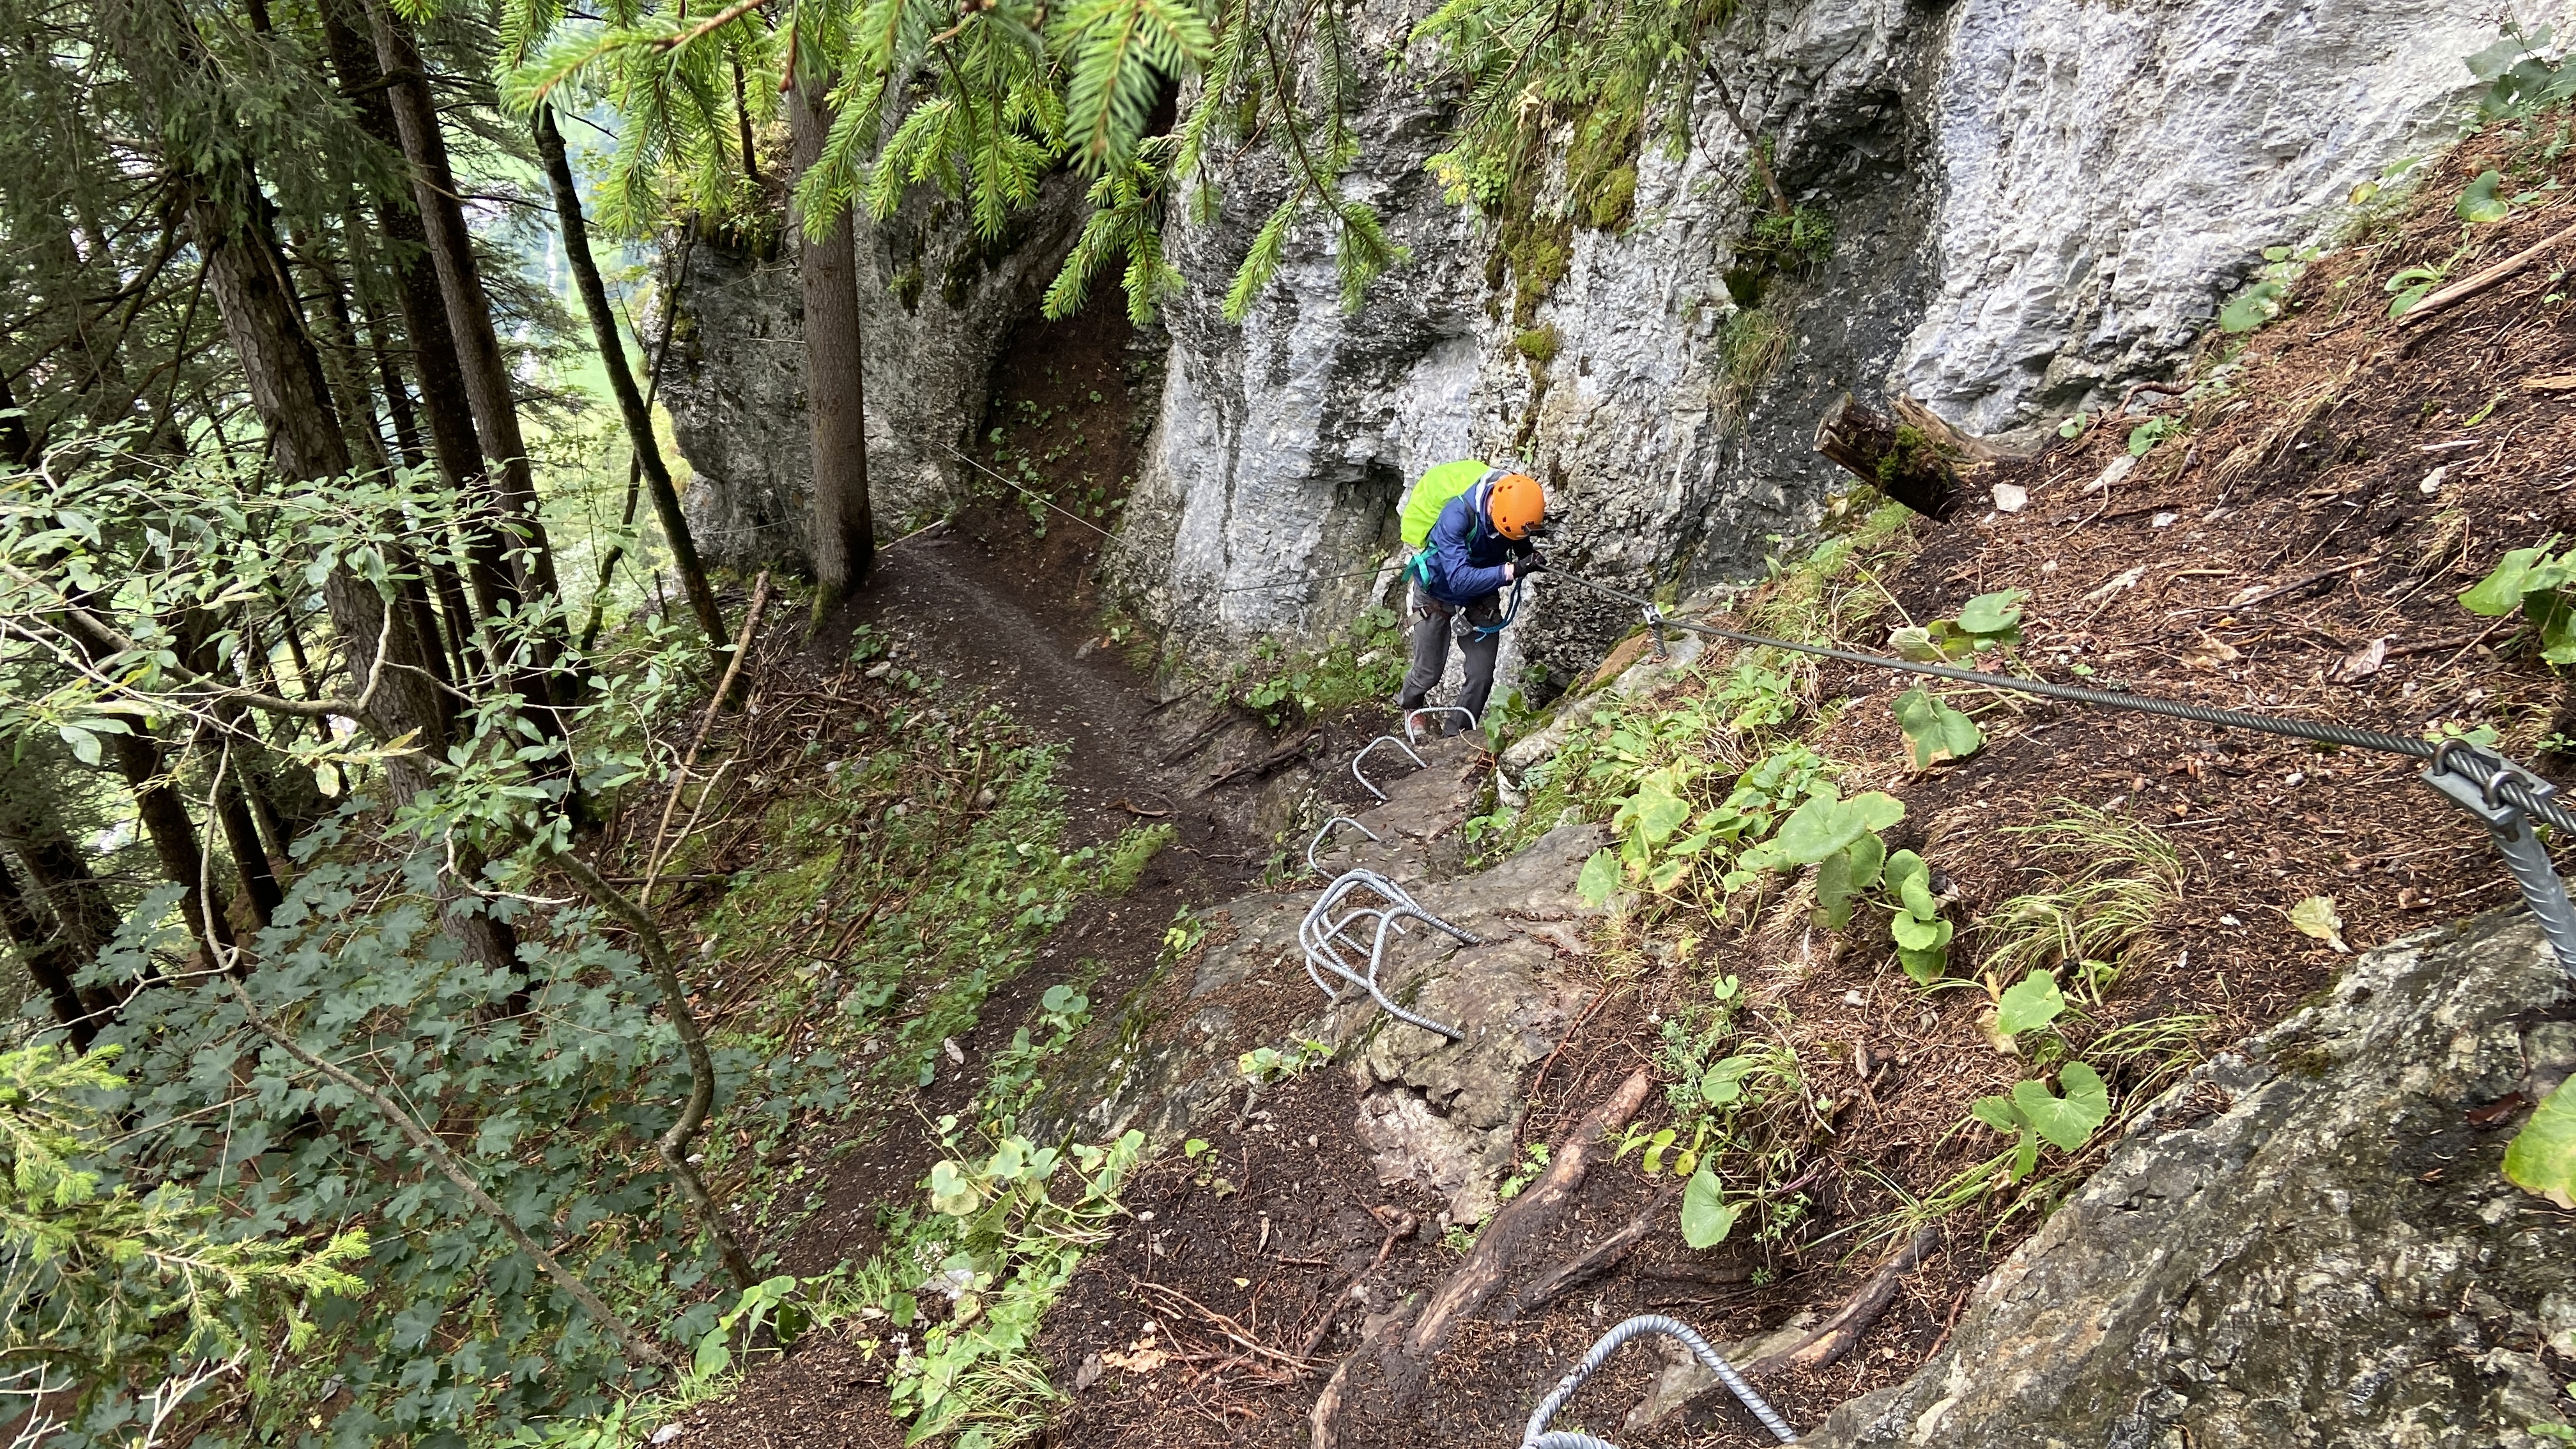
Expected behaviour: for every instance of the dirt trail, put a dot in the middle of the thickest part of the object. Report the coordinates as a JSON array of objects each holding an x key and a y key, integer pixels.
[{"x": 972, "y": 623}]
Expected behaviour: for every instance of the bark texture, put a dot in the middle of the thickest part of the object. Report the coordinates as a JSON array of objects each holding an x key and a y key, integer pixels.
[{"x": 836, "y": 395}]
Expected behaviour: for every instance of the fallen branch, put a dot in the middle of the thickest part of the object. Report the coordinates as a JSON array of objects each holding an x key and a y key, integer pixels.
[
  {"x": 1397, "y": 1230},
  {"x": 1400, "y": 1364},
  {"x": 1837, "y": 1335},
  {"x": 2477, "y": 282},
  {"x": 724, "y": 688},
  {"x": 1261, "y": 768},
  {"x": 1564, "y": 1278},
  {"x": 1228, "y": 1327}
]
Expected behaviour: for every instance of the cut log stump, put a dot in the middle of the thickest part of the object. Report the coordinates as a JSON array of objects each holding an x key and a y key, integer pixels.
[{"x": 1901, "y": 459}]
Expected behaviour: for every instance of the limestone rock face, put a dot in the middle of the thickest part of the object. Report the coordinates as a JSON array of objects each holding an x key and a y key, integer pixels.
[
  {"x": 2033, "y": 202},
  {"x": 2109, "y": 173},
  {"x": 936, "y": 306},
  {"x": 2308, "y": 1242}
]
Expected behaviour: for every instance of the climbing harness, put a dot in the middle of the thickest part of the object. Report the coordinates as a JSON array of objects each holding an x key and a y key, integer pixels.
[
  {"x": 1537, "y": 1436},
  {"x": 1323, "y": 935}
]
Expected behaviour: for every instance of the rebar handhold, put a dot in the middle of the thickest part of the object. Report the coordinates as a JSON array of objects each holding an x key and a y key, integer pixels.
[
  {"x": 1419, "y": 763},
  {"x": 1437, "y": 709},
  {"x": 2525, "y": 858},
  {"x": 1535, "y": 1435},
  {"x": 1327, "y": 829}
]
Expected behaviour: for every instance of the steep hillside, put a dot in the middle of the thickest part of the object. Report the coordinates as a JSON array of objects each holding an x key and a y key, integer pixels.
[{"x": 2150, "y": 916}]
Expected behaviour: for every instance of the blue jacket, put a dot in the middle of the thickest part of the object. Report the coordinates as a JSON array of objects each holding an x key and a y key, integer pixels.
[{"x": 1464, "y": 558}]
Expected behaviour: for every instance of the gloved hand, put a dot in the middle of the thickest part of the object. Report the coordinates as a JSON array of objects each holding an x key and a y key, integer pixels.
[{"x": 1528, "y": 566}]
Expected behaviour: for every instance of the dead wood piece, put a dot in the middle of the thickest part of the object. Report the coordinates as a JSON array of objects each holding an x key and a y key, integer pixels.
[
  {"x": 1912, "y": 470},
  {"x": 2476, "y": 282},
  {"x": 1198, "y": 739},
  {"x": 1962, "y": 444},
  {"x": 1522, "y": 1221},
  {"x": 1836, "y": 1335},
  {"x": 1262, "y": 767},
  {"x": 1395, "y": 1354},
  {"x": 1566, "y": 1277},
  {"x": 1398, "y": 1228}
]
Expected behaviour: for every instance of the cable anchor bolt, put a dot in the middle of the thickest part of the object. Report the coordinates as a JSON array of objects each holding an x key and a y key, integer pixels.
[
  {"x": 1654, "y": 618},
  {"x": 2454, "y": 774}
]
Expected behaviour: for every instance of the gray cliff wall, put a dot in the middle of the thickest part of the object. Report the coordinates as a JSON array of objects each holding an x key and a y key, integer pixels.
[
  {"x": 2306, "y": 1243},
  {"x": 936, "y": 304},
  {"x": 2034, "y": 201}
]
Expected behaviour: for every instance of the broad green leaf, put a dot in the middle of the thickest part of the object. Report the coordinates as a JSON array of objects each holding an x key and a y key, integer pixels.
[
  {"x": 84, "y": 744},
  {"x": 2316, "y": 916},
  {"x": 2479, "y": 204},
  {"x": 2500, "y": 592},
  {"x": 2031, "y": 1003},
  {"x": 1934, "y": 729},
  {"x": 951, "y": 1191},
  {"x": 1658, "y": 811},
  {"x": 1724, "y": 1083},
  {"x": 1868, "y": 856},
  {"x": 1916, "y": 896},
  {"x": 1835, "y": 887},
  {"x": 2025, "y": 1155},
  {"x": 1925, "y": 967},
  {"x": 1707, "y": 1217},
  {"x": 1877, "y": 809},
  {"x": 2252, "y": 307},
  {"x": 1913, "y": 934},
  {"x": 2542, "y": 1156},
  {"x": 1905, "y": 866},
  {"x": 1819, "y": 828},
  {"x": 1993, "y": 613},
  {"x": 1999, "y": 1113},
  {"x": 2065, "y": 1121},
  {"x": 1600, "y": 880}
]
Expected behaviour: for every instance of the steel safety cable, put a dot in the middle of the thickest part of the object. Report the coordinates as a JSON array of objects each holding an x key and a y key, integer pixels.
[{"x": 2483, "y": 770}]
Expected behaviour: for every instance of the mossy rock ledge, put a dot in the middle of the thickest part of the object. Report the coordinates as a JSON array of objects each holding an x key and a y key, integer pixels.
[{"x": 2308, "y": 1242}]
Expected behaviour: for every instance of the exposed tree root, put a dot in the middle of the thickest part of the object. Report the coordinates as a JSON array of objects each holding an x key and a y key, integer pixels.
[
  {"x": 1396, "y": 1357},
  {"x": 1555, "y": 1283}
]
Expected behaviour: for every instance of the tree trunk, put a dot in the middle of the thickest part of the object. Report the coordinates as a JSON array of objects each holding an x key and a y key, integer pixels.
[
  {"x": 460, "y": 282},
  {"x": 32, "y": 825},
  {"x": 173, "y": 833},
  {"x": 50, "y": 962},
  {"x": 446, "y": 410},
  {"x": 247, "y": 280},
  {"x": 630, "y": 401},
  {"x": 1901, "y": 461},
  {"x": 835, "y": 393}
]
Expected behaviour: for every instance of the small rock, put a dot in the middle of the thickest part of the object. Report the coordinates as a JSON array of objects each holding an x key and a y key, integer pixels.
[
  {"x": 1089, "y": 1374},
  {"x": 2432, "y": 483},
  {"x": 2011, "y": 498},
  {"x": 880, "y": 669},
  {"x": 955, "y": 1052},
  {"x": 2118, "y": 469},
  {"x": 666, "y": 1433},
  {"x": 2163, "y": 520},
  {"x": 1854, "y": 998}
]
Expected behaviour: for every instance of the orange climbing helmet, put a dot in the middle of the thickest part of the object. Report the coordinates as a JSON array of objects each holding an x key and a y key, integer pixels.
[{"x": 1516, "y": 505}]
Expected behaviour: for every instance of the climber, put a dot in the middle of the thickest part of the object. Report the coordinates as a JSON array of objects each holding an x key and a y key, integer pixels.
[{"x": 1471, "y": 527}]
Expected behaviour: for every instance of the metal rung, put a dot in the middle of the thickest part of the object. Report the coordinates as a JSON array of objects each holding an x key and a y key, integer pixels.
[{"x": 1419, "y": 763}]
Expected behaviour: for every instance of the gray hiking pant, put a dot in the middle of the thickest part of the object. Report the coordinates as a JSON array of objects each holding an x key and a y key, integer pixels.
[{"x": 1433, "y": 623}]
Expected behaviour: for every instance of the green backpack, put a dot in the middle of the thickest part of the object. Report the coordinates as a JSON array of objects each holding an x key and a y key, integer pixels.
[{"x": 1422, "y": 505}]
